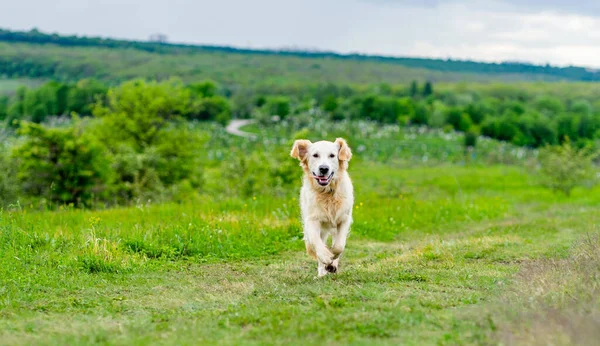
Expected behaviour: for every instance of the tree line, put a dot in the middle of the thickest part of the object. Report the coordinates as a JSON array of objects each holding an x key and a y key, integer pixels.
[{"x": 524, "y": 119}]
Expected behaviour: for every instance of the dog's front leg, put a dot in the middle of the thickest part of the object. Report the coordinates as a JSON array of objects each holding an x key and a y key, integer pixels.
[
  {"x": 315, "y": 244},
  {"x": 339, "y": 243}
]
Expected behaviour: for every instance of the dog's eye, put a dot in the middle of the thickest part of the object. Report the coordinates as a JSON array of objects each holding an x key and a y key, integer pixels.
[
  {"x": 316, "y": 155},
  {"x": 332, "y": 156}
]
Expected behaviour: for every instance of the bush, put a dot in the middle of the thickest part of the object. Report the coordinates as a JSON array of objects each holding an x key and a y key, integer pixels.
[
  {"x": 9, "y": 186},
  {"x": 61, "y": 165},
  {"x": 215, "y": 108},
  {"x": 565, "y": 167},
  {"x": 471, "y": 137},
  {"x": 279, "y": 105},
  {"x": 152, "y": 150},
  {"x": 137, "y": 111},
  {"x": 421, "y": 115}
]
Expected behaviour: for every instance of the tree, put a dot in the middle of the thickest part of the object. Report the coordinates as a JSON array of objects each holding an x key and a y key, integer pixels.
[
  {"x": 566, "y": 127},
  {"x": 421, "y": 115},
  {"x": 476, "y": 112},
  {"x": 203, "y": 89},
  {"x": 214, "y": 108},
  {"x": 278, "y": 105},
  {"x": 384, "y": 109},
  {"x": 565, "y": 167},
  {"x": 83, "y": 95},
  {"x": 61, "y": 165},
  {"x": 428, "y": 89},
  {"x": 330, "y": 104},
  {"x": 414, "y": 88},
  {"x": 459, "y": 120},
  {"x": 3, "y": 107},
  {"x": 152, "y": 149},
  {"x": 137, "y": 110}
]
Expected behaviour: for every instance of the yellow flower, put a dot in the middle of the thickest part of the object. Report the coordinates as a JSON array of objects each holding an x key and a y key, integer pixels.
[
  {"x": 361, "y": 204},
  {"x": 254, "y": 198}
]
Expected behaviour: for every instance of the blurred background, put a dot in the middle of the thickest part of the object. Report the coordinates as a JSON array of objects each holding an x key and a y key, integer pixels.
[{"x": 162, "y": 96}]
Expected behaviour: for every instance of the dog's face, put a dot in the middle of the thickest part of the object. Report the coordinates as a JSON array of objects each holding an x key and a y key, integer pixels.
[{"x": 322, "y": 160}]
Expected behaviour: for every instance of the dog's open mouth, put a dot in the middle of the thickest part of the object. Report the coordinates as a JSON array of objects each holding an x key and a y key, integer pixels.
[{"x": 322, "y": 179}]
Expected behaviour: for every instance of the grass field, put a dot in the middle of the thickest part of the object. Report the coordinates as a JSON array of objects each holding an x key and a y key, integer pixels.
[{"x": 437, "y": 255}]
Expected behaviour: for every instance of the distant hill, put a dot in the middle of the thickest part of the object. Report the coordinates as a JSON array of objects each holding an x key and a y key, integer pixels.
[{"x": 35, "y": 54}]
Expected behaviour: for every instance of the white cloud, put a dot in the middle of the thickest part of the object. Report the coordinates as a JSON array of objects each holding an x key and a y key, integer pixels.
[{"x": 536, "y": 31}]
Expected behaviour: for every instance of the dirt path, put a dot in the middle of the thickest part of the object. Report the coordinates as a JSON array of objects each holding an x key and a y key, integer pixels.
[{"x": 235, "y": 125}]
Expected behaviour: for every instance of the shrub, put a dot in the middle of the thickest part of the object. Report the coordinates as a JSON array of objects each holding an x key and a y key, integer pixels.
[
  {"x": 61, "y": 165},
  {"x": 8, "y": 181},
  {"x": 137, "y": 111},
  {"x": 565, "y": 167},
  {"x": 152, "y": 150},
  {"x": 421, "y": 115},
  {"x": 278, "y": 105},
  {"x": 214, "y": 108},
  {"x": 471, "y": 137}
]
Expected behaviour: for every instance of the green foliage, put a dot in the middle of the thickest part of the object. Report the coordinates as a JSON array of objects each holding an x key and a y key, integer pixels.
[
  {"x": 476, "y": 112},
  {"x": 203, "y": 89},
  {"x": 414, "y": 88},
  {"x": 471, "y": 137},
  {"x": 9, "y": 185},
  {"x": 214, "y": 108},
  {"x": 278, "y": 105},
  {"x": 565, "y": 167},
  {"x": 83, "y": 95},
  {"x": 137, "y": 111},
  {"x": 3, "y": 107},
  {"x": 61, "y": 165},
  {"x": 427, "y": 89},
  {"x": 330, "y": 104},
  {"x": 261, "y": 172},
  {"x": 549, "y": 105},
  {"x": 152, "y": 149},
  {"x": 421, "y": 115}
]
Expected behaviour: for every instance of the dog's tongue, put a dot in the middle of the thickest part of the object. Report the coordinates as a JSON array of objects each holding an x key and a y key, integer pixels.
[{"x": 322, "y": 179}]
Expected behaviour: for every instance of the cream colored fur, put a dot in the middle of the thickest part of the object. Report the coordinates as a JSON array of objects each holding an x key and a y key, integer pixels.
[{"x": 326, "y": 210}]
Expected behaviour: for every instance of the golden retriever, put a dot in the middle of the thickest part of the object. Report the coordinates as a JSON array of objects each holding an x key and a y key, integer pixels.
[{"x": 326, "y": 199}]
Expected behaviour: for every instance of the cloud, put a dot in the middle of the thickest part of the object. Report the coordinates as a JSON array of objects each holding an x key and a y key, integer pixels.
[
  {"x": 536, "y": 31},
  {"x": 587, "y": 7}
]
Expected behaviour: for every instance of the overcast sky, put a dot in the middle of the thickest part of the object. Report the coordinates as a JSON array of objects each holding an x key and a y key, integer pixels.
[{"x": 559, "y": 32}]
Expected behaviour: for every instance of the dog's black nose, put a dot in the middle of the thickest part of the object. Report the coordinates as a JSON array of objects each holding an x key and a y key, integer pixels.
[{"x": 323, "y": 169}]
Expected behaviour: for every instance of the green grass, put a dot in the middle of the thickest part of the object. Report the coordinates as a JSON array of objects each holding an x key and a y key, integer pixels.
[{"x": 433, "y": 256}]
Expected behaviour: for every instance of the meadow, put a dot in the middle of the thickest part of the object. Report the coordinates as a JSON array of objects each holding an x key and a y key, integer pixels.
[
  {"x": 130, "y": 216},
  {"x": 434, "y": 257}
]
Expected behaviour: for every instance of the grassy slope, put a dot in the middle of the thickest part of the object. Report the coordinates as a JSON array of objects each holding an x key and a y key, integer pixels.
[
  {"x": 227, "y": 68},
  {"x": 432, "y": 252}
]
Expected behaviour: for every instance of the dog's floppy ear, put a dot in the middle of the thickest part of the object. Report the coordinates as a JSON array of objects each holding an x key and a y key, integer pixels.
[
  {"x": 345, "y": 153},
  {"x": 300, "y": 149}
]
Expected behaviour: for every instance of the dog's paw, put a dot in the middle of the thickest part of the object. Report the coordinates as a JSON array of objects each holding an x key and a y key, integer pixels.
[{"x": 331, "y": 268}]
